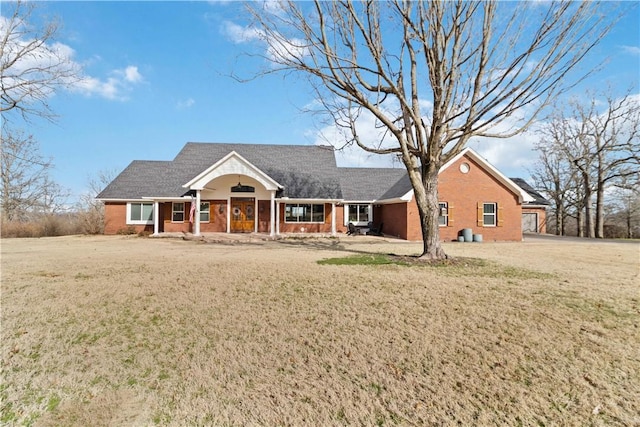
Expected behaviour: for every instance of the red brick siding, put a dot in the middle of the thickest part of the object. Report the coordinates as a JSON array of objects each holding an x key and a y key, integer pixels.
[
  {"x": 115, "y": 220},
  {"x": 394, "y": 217},
  {"x": 463, "y": 192},
  {"x": 289, "y": 227},
  {"x": 115, "y": 217},
  {"x": 217, "y": 217},
  {"x": 264, "y": 216}
]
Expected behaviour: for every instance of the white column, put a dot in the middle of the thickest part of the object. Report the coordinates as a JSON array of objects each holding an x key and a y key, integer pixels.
[
  {"x": 333, "y": 218},
  {"x": 196, "y": 221},
  {"x": 228, "y": 215},
  {"x": 256, "y": 214},
  {"x": 156, "y": 217},
  {"x": 272, "y": 215},
  {"x": 277, "y": 218}
]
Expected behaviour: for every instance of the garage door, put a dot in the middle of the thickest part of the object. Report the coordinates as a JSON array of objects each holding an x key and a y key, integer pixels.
[{"x": 529, "y": 222}]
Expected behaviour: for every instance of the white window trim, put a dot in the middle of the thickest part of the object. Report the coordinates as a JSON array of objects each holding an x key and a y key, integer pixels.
[
  {"x": 446, "y": 217},
  {"x": 209, "y": 211},
  {"x": 495, "y": 214},
  {"x": 305, "y": 222},
  {"x": 347, "y": 208},
  {"x": 139, "y": 222},
  {"x": 173, "y": 211}
]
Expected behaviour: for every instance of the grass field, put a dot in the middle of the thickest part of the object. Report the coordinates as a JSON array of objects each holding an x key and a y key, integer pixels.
[{"x": 129, "y": 331}]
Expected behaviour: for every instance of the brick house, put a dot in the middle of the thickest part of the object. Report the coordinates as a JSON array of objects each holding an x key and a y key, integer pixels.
[{"x": 276, "y": 189}]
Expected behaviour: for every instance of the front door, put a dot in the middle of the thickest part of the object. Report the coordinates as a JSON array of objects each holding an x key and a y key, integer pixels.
[{"x": 243, "y": 218}]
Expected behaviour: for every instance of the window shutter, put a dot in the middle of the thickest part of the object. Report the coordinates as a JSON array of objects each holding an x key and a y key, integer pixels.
[
  {"x": 450, "y": 211},
  {"x": 500, "y": 214},
  {"x": 480, "y": 214}
]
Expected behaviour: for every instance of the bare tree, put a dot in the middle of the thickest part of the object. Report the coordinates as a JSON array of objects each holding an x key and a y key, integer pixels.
[
  {"x": 553, "y": 174},
  {"x": 626, "y": 208},
  {"x": 32, "y": 65},
  {"x": 91, "y": 211},
  {"x": 614, "y": 140},
  {"x": 26, "y": 188},
  {"x": 433, "y": 74},
  {"x": 603, "y": 146}
]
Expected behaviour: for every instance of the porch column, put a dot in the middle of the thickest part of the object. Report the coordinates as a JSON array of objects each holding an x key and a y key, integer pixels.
[
  {"x": 229, "y": 215},
  {"x": 272, "y": 215},
  {"x": 156, "y": 217},
  {"x": 256, "y": 215},
  {"x": 196, "y": 228},
  {"x": 277, "y": 218},
  {"x": 333, "y": 218}
]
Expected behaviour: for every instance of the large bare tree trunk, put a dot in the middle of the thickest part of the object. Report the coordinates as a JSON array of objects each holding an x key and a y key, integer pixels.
[{"x": 428, "y": 208}]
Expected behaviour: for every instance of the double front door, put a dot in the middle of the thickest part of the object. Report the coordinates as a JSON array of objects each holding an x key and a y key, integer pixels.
[{"x": 243, "y": 215}]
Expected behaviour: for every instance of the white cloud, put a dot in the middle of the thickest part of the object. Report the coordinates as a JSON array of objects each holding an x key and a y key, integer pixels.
[
  {"x": 633, "y": 50},
  {"x": 351, "y": 155},
  {"x": 277, "y": 47},
  {"x": 239, "y": 34},
  {"x": 59, "y": 58},
  {"x": 514, "y": 156},
  {"x": 186, "y": 103},
  {"x": 116, "y": 87},
  {"x": 132, "y": 74}
]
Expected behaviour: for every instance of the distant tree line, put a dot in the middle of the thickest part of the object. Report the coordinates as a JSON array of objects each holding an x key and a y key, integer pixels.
[
  {"x": 589, "y": 167},
  {"x": 32, "y": 68}
]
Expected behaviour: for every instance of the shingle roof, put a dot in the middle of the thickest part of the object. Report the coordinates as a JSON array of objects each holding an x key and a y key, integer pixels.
[
  {"x": 305, "y": 171},
  {"x": 362, "y": 184},
  {"x": 141, "y": 178},
  {"x": 539, "y": 198}
]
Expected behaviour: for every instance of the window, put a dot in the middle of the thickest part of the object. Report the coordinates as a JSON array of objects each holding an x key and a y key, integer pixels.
[
  {"x": 358, "y": 214},
  {"x": 489, "y": 213},
  {"x": 443, "y": 215},
  {"x": 177, "y": 212},
  {"x": 304, "y": 212},
  {"x": 139, "y": 213},
  {"x": 205, "y": 211}
]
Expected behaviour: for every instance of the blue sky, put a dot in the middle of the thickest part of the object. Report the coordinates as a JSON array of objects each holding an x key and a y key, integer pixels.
[{"x": 157, "y": 76}]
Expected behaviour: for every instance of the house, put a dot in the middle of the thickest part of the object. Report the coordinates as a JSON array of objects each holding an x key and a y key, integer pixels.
[
  {"x": 534, "y": 218},
  {"x": 276, "y": 189}
]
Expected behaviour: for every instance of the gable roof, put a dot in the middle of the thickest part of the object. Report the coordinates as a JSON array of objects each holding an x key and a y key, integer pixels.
[
  {"x": 232, "y": 162},
  {"x": 495, "y": 173},
  {"x": 303, "y": 171},
  {"x": 300, "y": 171}
]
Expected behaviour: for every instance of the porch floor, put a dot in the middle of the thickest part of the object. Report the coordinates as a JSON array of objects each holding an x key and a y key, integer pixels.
[{"x": 259, "y": 237}]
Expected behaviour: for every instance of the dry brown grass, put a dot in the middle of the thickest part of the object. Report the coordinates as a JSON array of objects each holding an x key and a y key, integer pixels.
[{"x": 109, "y": 331}]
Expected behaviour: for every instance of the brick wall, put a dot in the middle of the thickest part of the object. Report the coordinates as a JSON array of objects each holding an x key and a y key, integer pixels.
[
  {"x": 394, "y": 217},
  {"x": 465, "y": 194},
  {"x": 308, "y": 227}
]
